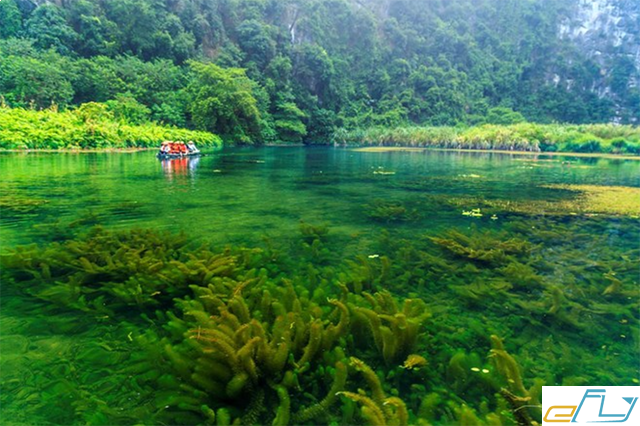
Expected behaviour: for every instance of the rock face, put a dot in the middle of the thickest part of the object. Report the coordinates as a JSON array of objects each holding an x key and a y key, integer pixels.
[
  {"x": 608, "y": 33},
  {"x": 605, "y": 28}
]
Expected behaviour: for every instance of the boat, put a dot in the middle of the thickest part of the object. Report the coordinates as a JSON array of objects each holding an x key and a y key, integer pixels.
[{"x": 171, "y": 150}]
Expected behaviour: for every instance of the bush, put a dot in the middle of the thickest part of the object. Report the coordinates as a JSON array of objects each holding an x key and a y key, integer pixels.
[
  {"x": 90, "y": 126},
  {"x": 515, "y": 137}
]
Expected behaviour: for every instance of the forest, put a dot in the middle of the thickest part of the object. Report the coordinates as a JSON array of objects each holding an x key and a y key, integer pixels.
[{"x": 298, "y": 71}]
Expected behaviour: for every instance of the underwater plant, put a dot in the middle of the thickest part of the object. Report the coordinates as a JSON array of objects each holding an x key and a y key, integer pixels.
[
  {"x": 255, "y": 349},
  {"x": 394, "y": 330},
  {"x": 106, "y": 271},
  {"x": 279, "y": 336},
  {"x": 391, "y": 212},
  {"x": 377, "y": 409},
  {"x": 482, "y": 246}
]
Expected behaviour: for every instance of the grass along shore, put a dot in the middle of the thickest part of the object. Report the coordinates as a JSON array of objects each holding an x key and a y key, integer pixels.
[
  {"x": 90, "y": 127},
  {"x": 526, "y": 137},
  {"x": 93, "y": 126}
]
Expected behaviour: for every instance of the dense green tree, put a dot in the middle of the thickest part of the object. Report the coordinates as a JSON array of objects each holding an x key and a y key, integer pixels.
[
  {"x": 10, "y": 19},
  {"x": 288, "y": 121},
  {"x": 126, "y": 109},
  {"x": 504, "y": 116},
  {"x": 254, "y": 39},
  {"x": 96, "y": 34},
  {"x": 222, "y": 101},
  {"x": 319, "y": 64},
  {"x": 48, "y": 28},
  {"x": 29, "y": 82}
]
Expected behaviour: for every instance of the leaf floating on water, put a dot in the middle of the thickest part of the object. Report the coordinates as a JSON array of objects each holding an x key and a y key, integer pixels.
[{"x": 472, "y": 213}]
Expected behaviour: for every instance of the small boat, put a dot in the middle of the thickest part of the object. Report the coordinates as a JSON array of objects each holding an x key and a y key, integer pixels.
[
  {"x": 179, "y": 149},
  {"x": 165, "y": 156}
]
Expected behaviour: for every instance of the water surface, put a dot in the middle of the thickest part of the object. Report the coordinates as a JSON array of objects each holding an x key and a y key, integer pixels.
[{"x": 393, "y": 206}]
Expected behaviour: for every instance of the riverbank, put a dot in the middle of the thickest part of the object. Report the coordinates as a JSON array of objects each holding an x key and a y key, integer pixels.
[
  {"x": 90, "y": 127},
  {"x": 521, "y": 137},
  {"x": 78, "y": 150},
  {"x": 381, "y": 149}
]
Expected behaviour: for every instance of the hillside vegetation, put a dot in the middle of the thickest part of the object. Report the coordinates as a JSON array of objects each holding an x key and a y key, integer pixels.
[{"x": 260, "y": 71}]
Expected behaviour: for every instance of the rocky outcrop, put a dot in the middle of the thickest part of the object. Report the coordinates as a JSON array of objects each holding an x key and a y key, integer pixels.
[{"x": 601, "y": 28}]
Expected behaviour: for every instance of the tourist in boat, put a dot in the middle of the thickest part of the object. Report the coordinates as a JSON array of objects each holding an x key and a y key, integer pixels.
[
  {"x": 182, "y": 148},
  {"x": 165, "y": 148},
  {"x": 175, "y": 148},
  {"x": 192, "y": 147}
]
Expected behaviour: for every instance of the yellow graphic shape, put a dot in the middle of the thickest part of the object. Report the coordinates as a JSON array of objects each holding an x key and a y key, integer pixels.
[{"x": 559, "y": 405}]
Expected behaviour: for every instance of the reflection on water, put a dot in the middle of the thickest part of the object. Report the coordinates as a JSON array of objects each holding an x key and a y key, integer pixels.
[
  {"x": 407, "y": 261},
  {"x": 178, "y": 167}
]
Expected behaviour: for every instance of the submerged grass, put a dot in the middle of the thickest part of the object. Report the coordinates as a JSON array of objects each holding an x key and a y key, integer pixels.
[
  {"x": 581, "y": 200},
  {"x": 165, "y": 332},
  {"x": 401, "y": 309},
  {"x": 594, "y": 199}
]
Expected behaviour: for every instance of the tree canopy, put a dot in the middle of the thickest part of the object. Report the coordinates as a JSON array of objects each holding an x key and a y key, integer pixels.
[{"x": 311, "y": 66}]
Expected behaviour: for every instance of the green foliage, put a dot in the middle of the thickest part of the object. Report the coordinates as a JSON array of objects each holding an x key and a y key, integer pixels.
[
  {"x": 596, "y": 138},
  {"x": 288, "y": 122},
  {"x": 26, "y": 81},
  {"x": 224, "y": 100},
  {"x": 11, "y": 19},
  {"x": 92, "y": 125},
  {"x": 320, "y": 64},
  {"x": 504, "y": 116},
  {"x": 128, "y": 110},
  {"x": 48, "y": 28}
]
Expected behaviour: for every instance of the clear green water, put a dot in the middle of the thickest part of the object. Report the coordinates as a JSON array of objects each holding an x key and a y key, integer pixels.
[{"x": 549, "y": 302}]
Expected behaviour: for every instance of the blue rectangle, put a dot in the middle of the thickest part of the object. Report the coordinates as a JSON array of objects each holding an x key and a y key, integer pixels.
[{"x": 607, "y": 406}]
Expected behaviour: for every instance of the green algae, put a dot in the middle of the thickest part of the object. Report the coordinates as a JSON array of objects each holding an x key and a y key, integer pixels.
[
  {"x": 581, "y": 200},
  {"x": 266, "y": 333},
  {"x": 390, "y": 211},
  {"x": 241, "y": 344}
]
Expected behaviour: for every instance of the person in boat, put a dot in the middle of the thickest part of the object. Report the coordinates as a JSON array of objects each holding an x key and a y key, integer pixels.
[
  {"x": 165, "y": 148},
  {"x": 192, "y": 147},
  {"x": 182, "y": 148},
  {"x": 175, "y": 148}
]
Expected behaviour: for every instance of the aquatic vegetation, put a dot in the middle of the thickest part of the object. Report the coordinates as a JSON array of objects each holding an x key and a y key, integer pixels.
[
  {"x": 391, "y": 211},
  {"x": 582, "y": 200},
  {"x": 594, "y": 199},
  {"x": 13, "y": 203},
  {"x": 377, "y": 409},
  {"x": 472, "y": 213},
  {"x": 414, "y": 361},
  {"x": 253, "y": 344},
  {"x": 249, "y": 345},
  {"x": 106, "y": 271},
  {"x": 512, "y": 388},
  {"x": 394, "y": 330},
  {"x": 483, "y": 246},
  {"x": 313, "y": 232},
  {"x": 300, "y": 333}
]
